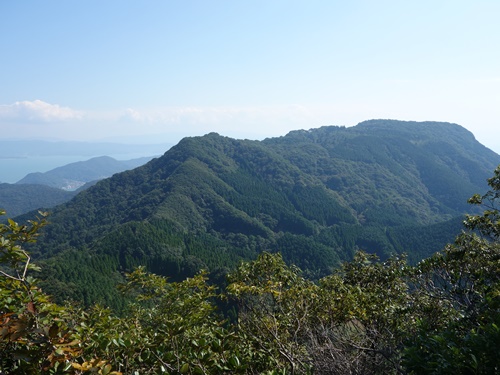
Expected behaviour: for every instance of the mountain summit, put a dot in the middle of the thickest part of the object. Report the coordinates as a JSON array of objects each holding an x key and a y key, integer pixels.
[{"x": 317, "y": 196}]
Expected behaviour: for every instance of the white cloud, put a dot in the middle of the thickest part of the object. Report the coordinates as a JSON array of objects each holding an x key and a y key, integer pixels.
[
  {"x": 36, "y": 111},
  {"x": 132, "y": 114}
]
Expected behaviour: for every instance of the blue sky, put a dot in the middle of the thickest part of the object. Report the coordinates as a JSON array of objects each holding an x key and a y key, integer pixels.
[{"x": 157, "y": 71}]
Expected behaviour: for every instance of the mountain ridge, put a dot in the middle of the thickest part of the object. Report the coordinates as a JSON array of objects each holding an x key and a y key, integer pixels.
[{"x": 317, "y": 196}]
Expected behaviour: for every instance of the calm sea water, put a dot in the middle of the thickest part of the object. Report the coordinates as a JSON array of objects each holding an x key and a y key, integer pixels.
[{"x": 12, "y": 170}]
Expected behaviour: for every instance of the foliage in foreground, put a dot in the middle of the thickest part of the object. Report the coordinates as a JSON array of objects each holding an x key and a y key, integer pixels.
[{"x": 369, "y": 317}]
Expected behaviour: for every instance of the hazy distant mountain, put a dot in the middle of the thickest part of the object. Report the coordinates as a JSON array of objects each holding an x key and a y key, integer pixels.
[
  {"x": 75, "y": 175},
  {"x": 317, "y": 196},
  {"x": 46, "y": 190}
]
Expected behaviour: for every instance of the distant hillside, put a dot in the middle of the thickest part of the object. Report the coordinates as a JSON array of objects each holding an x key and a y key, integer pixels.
[
  {"x": 317, "y": 196},
  {"x": 19, "y": 199},
  {"x": 75, "y": 175}
]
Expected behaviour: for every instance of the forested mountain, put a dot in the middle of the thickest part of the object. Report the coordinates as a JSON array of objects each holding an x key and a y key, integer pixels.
[
  {"x": 369, "y": 316},
  {"x": 75, "y": 175},
  {"x": 316, "y": 196},
  {"x": 19, "y": 199}
]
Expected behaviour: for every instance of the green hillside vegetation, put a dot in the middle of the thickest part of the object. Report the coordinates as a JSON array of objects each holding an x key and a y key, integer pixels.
[
  {"x": 318, "y": 196},
  {"x": 440, "y": 316},
  {"x": 19, "y": 199}
]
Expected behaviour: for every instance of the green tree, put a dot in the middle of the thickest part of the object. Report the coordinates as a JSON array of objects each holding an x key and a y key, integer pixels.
[
  {"x": 173, "y": 328},
  {"x": 350, "y": 322},
  {"x": 34, "y": 336},
  {"x": 365, "y": 317},
  {"x": 37, "y": 336},
  {"x": 458, "y": 295},
  {"x": 275, "y": 305}
]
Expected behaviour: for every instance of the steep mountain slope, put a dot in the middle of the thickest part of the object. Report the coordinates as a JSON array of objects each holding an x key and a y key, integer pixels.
[
  {"x": 75, "y": 175},
  {"x": 317, "y": 196}
]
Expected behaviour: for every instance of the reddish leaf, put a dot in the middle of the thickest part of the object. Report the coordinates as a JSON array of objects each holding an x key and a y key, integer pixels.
[{"x": 31, "y": 307}]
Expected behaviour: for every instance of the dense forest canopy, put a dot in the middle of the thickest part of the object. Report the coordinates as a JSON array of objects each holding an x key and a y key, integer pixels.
[
  {"x": 439, "y": 316},
  {"x": 317, "y": 197}
]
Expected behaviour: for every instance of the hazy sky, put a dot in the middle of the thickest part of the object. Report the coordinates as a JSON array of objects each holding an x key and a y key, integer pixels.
[{"x": 161, "y": 70}]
